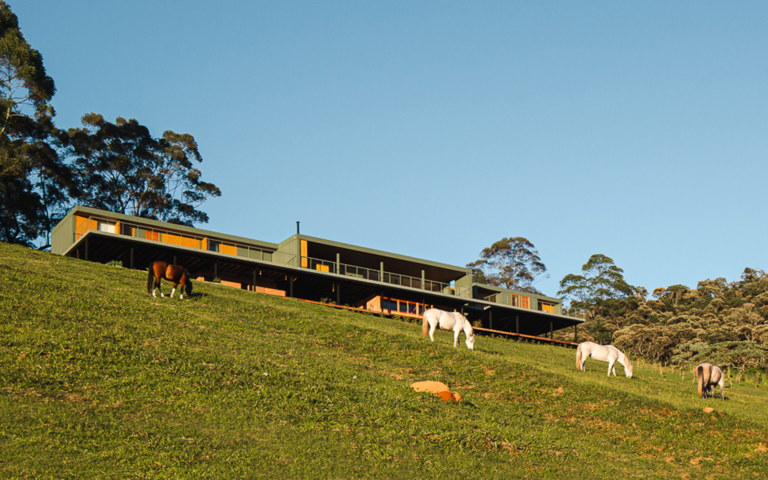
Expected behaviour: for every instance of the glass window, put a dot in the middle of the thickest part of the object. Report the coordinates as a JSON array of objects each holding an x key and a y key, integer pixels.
[{"x": 108, "y": 227}]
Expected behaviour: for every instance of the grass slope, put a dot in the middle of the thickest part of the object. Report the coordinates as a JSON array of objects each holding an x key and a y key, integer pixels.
[{"x": 99, "y": 380}]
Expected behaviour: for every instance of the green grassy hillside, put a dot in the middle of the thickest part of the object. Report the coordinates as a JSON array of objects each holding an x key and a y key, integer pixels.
[{"x": 100, "y": 380}]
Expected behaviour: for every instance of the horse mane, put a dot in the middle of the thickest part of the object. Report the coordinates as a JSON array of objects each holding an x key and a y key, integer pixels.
[{"x": 467, "y": 325}]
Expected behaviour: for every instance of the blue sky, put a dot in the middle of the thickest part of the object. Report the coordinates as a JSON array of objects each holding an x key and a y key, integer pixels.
[{"x": 433, "y": 129}]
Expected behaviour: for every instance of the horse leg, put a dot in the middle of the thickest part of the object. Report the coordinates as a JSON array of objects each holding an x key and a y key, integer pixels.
[
  {"x": 432, "y": 328},
  {"x": 156, "y": 287},
  {"x": 610, "y": 368},
  {"x": 173, "y": 290}
]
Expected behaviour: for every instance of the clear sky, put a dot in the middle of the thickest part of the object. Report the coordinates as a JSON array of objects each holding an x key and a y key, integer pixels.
[{"x": 433, "y": 129}]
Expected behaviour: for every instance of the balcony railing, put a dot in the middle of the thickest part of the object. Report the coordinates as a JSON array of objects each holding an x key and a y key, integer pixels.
[
  {"x": 375, "y": 275},
  {"x": 465, "y": 292}
]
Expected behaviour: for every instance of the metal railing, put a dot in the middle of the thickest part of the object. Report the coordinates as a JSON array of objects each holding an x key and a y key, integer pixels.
[
  {"x": 374, "y": 275},
  {"x": 465, "y": 292}
]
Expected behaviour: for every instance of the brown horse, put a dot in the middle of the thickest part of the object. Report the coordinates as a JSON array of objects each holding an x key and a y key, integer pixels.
[{"x": 174, "y": 273}]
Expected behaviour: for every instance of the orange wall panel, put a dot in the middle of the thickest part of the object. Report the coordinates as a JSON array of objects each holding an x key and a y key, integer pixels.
[
  {"x": 270, "y": 291},
  {"x": 526, "y": 302},
  {"x": 190, "y": 242},
  {"x": 228, "y": 249}
]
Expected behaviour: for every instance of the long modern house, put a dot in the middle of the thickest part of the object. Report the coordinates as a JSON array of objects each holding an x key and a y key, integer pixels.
[{"x": 308, "y": 268}]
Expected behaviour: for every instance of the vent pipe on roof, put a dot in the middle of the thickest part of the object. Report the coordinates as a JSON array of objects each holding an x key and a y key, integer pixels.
[{"x": 297, "y": 228}]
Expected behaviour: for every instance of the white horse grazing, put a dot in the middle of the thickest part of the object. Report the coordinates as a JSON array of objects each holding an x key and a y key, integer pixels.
[
  {"x": 603, "y": 353},
  {"x": 708, "y": 376},
  {"x": 448, "y": 321}
]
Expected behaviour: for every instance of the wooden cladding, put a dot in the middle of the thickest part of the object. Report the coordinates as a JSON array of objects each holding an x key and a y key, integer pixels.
[
  {"x": 171, "y": 237},
  {"x": 304, "y": 250},
  {"x": 395, "y": 306}
]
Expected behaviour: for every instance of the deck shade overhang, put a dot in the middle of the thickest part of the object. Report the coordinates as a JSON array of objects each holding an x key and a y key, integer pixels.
[{"x": 102, "y": 236}]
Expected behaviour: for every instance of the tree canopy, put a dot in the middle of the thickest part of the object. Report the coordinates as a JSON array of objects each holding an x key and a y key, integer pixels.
[
  {"x": 114, "y": 166},
  {"x": 512, "y": 263},
  {"x": 721, "y": 322},
  {"x": 32, "y": 177},
  {"x": 121, "y": 167},
  {"x": 600, "y": 280}
]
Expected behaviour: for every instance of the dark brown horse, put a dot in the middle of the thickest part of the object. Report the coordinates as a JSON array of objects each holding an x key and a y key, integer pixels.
[{"x": 174, "y": 273}]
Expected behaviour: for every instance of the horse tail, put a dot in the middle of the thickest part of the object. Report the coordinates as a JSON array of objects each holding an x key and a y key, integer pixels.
[
  {"x": 425, "y": 325},
  {"x": 700, "y": 372},
  {"x": 578, "y": 357},
  {"x": 187, "y": 282},
  {"x": 150, "y": 278}
]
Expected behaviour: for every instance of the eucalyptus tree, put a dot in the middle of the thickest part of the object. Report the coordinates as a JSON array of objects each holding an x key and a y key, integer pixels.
[
  {"x": 601, "y": 279},
  {"x": 122, "y": 168},
  {"x": 601, "y": 283},
  {"x": 512, "y": 263},
  {"x": 32, "y": 177}
]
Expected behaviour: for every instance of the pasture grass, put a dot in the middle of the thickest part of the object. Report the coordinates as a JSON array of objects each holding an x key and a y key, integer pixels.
[{"x": 100, "y": 380}]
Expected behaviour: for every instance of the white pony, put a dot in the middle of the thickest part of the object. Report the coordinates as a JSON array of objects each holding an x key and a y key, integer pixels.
[
  {"x": 708, "y": 376},
  {"x": 448, "y": 321},
  {"x": 603, "y": 353}
]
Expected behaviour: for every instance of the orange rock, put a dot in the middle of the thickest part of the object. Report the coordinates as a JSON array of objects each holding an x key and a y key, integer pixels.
[
  {"x": 445, "y": 396},
  {"x": 438, "y": 388},
  {"x": 431, "y": 387}
]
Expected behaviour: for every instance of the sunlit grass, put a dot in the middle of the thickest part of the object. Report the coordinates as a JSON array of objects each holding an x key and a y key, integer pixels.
[{"x": 99, "y": 380}]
